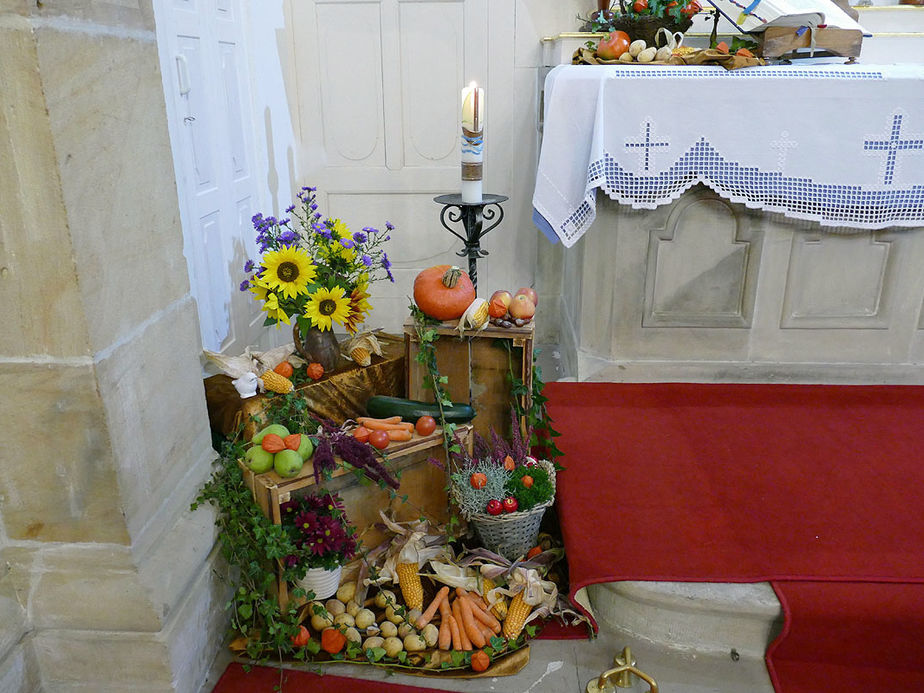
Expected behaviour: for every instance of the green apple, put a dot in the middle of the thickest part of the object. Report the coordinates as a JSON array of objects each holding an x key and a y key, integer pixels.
[
  {"x": 278, "y": 429},
  {"x": 287, "y": 463},
  {"x": 306, "y": 448},
  {"x": 258, "y": 460}
]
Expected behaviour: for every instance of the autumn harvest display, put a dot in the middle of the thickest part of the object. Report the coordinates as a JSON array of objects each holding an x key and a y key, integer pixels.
[{"x": 325, "y": 576}]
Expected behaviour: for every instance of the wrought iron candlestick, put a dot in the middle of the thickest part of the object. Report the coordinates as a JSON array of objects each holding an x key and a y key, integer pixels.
[{"x": 473, "y": 216}]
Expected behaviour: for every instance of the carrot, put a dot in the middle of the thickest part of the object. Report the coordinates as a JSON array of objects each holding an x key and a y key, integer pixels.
[
  {"x": 445, "y": 611},
  {"x": 463, "y": 631},
  {"x": 456, "y": 635},
  {"x": 474, "y": 596},
  {"x": 485, "y": 631},
  {"x": 381, "y": 426},
  {"x": 469, "y": 623},
  {"x": 399, "y": 435},
  {"x": 427, "y": 615},
  {"x": 387, "y": 419},
  {"x": 445, "y": 637},
  {"x": 485, "y": 618}
]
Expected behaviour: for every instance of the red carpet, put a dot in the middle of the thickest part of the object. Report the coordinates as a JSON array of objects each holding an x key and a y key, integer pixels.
[{"x": 818, "y": 489}]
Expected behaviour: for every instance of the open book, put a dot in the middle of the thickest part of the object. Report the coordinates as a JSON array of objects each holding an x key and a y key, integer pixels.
[{"x": 752, "y": 16}]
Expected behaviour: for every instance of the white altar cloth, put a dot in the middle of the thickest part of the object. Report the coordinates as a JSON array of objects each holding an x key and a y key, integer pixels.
[{"x": 842, "y": 145}]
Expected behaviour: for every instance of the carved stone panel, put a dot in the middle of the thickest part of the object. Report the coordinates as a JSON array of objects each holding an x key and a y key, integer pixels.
[
  {"x": 702, "y": 267},
  {"x": 839, "y": 282}
]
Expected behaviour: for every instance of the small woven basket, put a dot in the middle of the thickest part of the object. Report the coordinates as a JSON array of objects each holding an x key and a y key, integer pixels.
[
  {"x": 513, "y": 534},
  {"x": 646, "y": 26}
]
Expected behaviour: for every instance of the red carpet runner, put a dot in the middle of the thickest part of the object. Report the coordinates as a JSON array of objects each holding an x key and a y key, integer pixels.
[{"x": 818, "y": 489}]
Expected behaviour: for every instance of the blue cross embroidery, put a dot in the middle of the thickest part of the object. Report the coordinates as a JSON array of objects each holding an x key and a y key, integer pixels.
[
  {"x": 892, "y": 146},
  {"x": 647, "y": 144}
]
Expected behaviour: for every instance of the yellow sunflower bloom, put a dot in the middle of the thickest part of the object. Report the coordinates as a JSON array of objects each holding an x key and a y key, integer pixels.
[
  {"x": 326, "y": 306},
  {"x": 288, "y": 270},
  {"x": 359, "y": 306},
  {"x": 274, "y": 311},
  {"x": 340, "y": 230}
]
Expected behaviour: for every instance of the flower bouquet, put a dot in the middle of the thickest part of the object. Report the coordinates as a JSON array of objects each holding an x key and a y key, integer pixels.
[
  {"x": 503, "y": 492},
  {"x": 642, "y": 19},
  {"x": 315, "y": 270},
  {"x": 324, "y": 539}
]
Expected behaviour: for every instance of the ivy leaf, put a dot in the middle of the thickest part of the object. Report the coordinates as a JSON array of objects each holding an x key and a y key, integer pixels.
[
  {"x": 530, "y": 630},
  {"x": 313, "y": 646},
  {"x": 497, "y": 643},
  {"x": 457, "y": 656},
  {"x": 402, "y": 656},
  {"x": 375, "y": 654}
]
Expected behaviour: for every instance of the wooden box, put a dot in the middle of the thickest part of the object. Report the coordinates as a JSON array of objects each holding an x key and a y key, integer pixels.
[
  {"x": 777, "y": 41},
  {"x": 477, "y": 367},
  {"x": 423, "y": 482},
  {"x": 338, "y": 396}
]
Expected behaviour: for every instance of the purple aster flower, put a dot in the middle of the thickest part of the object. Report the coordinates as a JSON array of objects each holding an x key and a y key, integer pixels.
[
  {"x": 386, "y": 263},
  {"x": 314, "y": 207},
  {"x": 346, "y": 243},
  {"x": 245, "y": 285},
  {"x": 248, "y": 266},
  {"x": 290, "y": 209},
  {"x": 360, "y": 237},
  {"x": 367, "y": 261},
  {"x": 288, "y": 237},
  {"x": 391, "y": 277},
  {"x": 389, "y": 226},
  {"x": 370, "y": 229}
]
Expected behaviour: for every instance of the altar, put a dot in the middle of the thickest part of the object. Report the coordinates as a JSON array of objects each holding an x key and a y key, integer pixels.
[{"x": 755, "y": 224}]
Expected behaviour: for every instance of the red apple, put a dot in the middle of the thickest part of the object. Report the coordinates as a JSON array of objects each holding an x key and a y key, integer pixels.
[
  {"x": 510, "y": 504},
  {"x": 530, "y": 293},
  {"x": 498, "y": 304},
  {"x": 495, "y": 507},
  {"x": 522, "y": 308}
]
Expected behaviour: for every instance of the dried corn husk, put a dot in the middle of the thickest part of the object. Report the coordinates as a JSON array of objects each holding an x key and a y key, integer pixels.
[
  {"x": 361, "y": 348},
  {"x": 475, "y": 317}
]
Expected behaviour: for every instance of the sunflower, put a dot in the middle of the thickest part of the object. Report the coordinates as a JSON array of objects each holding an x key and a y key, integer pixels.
[
  {"x": 359, "y": 306},
  {"x": 274, "y": 310},
  {"x": 326, "y": 305},
  {"x": 288, "y": 270}
]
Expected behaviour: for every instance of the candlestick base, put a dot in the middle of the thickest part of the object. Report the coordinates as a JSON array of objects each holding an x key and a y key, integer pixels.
[{"x": 472, "y": 215}]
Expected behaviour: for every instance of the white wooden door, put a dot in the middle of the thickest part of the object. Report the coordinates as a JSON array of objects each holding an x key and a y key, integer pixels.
[{"x": 204, "y": 66}]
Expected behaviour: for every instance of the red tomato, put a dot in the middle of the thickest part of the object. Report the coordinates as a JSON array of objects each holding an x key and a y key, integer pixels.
[
  {"x": 495, "y": 507},
  {"x": 533, "y": 552},
  {"x": 425, "y": 425},
  {"x": 302, "y": 638},
  {"x": 478, "y": 480},
  {"x": 361, "y": 433},
  {"x": 640, "y": 6},
  {"x": 379, "y": 439},
  {"x": 527, "y": 481},
  {"x": 510, "y": 504},
  {"x": 613, "y": 45},
  {"x": 690, "y": 9}
]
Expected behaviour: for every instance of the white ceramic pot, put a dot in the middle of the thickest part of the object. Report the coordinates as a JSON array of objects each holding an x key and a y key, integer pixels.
[{"x": 322, "y": 582}]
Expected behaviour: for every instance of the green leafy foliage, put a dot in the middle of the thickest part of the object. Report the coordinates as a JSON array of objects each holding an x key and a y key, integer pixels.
[
  {"x": 528, "y": 498},
  {"x": 538, "y": 421}
]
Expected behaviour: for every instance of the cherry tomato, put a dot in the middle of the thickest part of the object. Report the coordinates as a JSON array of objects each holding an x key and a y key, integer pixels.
[
  {"x": 302, "y": 637},
  {"x": 527, "y": 481},
  {"x": 495, "y": 507},
  {"x": 379, "y": 439},
  {"x": 478, "y": 480},
  {"x": 361, "y": 433},
  {"x": 690, "y": 9},
  {"x": 425, "y": 425},
  {"x": 640, "y": 6},
  {"x": 535, "y": 551},
  {"x": 510, "y": 504}
]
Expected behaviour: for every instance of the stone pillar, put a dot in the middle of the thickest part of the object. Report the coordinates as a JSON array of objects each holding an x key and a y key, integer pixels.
[{"x": 105, "y": 575}]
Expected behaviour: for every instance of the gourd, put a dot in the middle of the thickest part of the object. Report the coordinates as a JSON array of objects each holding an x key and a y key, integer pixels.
[
  {"x": 383, "y": 406},
  {"x": 443, "y": 292}
]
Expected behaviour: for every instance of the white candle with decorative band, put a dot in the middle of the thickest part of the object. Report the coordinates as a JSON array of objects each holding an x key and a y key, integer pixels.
[{"x": 472, "y": 142}]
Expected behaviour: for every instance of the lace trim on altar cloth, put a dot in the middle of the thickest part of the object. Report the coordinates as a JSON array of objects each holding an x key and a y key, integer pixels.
[
  {"x": 855, "y": 206},
  {"x": 761, "y": 73}
]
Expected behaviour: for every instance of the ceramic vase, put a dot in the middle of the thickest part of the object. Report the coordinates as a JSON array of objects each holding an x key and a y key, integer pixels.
[{"x": 322, "y": 582}]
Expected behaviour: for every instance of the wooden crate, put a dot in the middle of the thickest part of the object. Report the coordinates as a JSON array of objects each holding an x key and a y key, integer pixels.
[
  {"x": 777, "y": 41},
  {"x": 423, "y": 482},
  {"x": 476, "y": 366},
  {"x": 338, "y": 396}
]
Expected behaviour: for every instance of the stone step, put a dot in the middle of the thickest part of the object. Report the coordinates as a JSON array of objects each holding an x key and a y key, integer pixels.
[{"x": 740, "y": 620}]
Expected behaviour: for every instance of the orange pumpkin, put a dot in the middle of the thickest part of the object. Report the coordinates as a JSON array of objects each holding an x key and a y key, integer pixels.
[{"x": 443, "y": 292}]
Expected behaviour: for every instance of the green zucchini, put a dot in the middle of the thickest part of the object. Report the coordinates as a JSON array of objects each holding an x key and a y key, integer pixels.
[{"x": 381, "y": 407}]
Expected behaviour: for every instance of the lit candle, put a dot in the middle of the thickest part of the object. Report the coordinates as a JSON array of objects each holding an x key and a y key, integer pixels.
[{"x": 472, "y": 142}]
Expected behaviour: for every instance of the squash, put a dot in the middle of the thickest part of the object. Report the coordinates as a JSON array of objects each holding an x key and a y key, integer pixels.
[{"x": 443, "y": 292}]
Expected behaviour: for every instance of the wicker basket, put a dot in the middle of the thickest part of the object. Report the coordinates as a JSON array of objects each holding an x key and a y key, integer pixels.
[
  {"x": 513, "y": 534},
  {"x": 646, "y": 26}
]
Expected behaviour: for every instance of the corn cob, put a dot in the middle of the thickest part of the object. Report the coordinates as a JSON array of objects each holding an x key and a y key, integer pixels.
[
  {"x": 276, "y": 383},
  {"x": 411, "y": 587},
  {"x": 500, "y": 606},
  {"x": 516, "y": 616}
]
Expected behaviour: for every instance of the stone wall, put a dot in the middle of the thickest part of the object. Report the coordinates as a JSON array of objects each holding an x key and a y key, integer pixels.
[{"x": 105, "y": 577}]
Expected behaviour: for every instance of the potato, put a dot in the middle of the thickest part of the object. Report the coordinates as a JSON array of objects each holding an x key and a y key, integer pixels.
[
  {"x": 647, "y": 55},
  {"x": 626, "y": 57},
  {"x": 637, "y": 47},
  {"x": 389, "y": 629},
  {"x": 372, "y": 630},
  {"x": 374, "y": 641},
  {"x": 352, "y": 608},
  {"x": 364, "y": 618},
  {"x": 415, "y": 643},
  {"x": 344, "y": 620},
  {"x": 413, "y": 615},
  {"x": 384, "y": 598},
  {"x": 393, "y": 646},
  {"x": 405, "y": 629},
  {"x": 352, "y": 635},
  {"x": 334, "y": 607},
  {"x": 430, "y": 634},
  {"x": 392, "y": 615},
  {"x": 346, "y": 591},
  {"x": 321, "y": 621}
]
